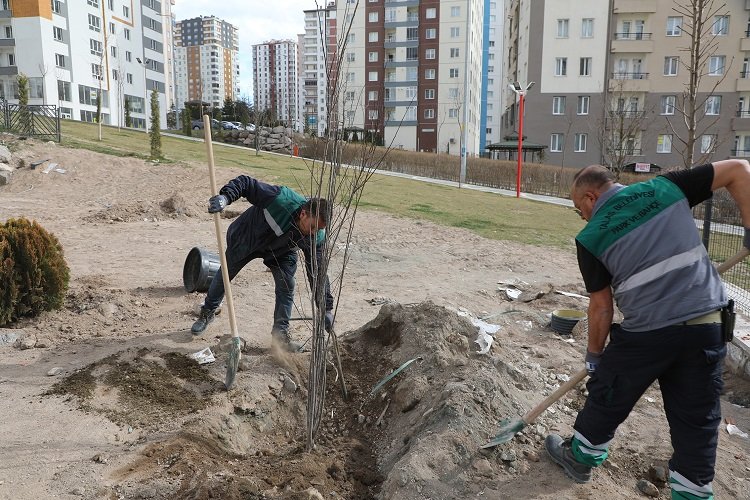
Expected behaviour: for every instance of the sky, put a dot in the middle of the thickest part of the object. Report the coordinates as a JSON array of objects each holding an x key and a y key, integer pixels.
[{"x": 257, "y": 21}]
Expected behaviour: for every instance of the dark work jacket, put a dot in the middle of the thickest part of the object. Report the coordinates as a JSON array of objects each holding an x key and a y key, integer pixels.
[{"x": 267, "y": 229}]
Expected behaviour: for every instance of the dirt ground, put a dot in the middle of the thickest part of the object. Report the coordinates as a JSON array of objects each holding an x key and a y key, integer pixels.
[{"x": 99, "y": 399}]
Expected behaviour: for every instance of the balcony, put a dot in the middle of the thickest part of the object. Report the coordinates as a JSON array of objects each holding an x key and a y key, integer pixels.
[
  {"x": 626, "y": 151},
  {"x": 629, "y": 82},
  {"x": 8, "y": 70},
  {"x": 7, "y": 42},
  {"x": 740, "y": 153},
  {"x": 5, "y": 13},
  {"x": 627, "y": 113},
  {"x": 743, "y": 82},
  {"x": 632, "y": 42},
  {"x": 745, "y": 42},
  {"x": 633, "y": 6},
  {"x": 741, "y": 120}
]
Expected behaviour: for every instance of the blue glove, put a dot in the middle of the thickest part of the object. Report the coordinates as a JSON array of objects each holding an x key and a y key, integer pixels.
[
  {"x": 592, "y": 361},
  {"x": 329, "y": 321},
  {"x": 746, "y": 241},
  {"x": 217, "y": 203}
]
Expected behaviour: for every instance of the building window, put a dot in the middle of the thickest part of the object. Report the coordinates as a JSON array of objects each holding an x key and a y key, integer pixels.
[
  {"x": 126, "y": 11},
  {"x": 112, "y": 28},
  {"x": 713, "y": 105},
  {"x": 455, "y": 11},
  {"x": 583, "y": 105},
  {"x": 412, "y": 34},
  {"x": 412, "y": 54},
  {"x": 115, "y": 75},
  {"x": 455, "y": 32},
  {"x": 57, "y": 33},
  {"x": 430, "y": 33},
  {"x": 585, "y": 67},
  {"x": 128, "y": 56},
  {"x": 453, "y": 113},
  {"x": 558, "y": 105},
  {"x": 63, "y": 91},
  {"x": 562, "y": 28},
  {"x": 720, "y": 26},
  {"x": 411, "y": 74},
  {"x": 372, "y": 76},
  {"x": 667, "y": 103},
  {"x": 429, "y": 94},
  {"x": 129, "y": 78},
  {"x": 96, "y": 71},
  {"x": 428, "y": 54},
  {"x": 372, "y": 114},
  {"x": 716, "y": 65},
  {"x": 453, "y": 93},
  {"x": 350, "y": 57},
  {"x": 372, "y": 95},
  {"x": 673, "y": 25},
  {"x": 556, "y": 143},
  {"x": 372, "y": 36},
  {"x": 561, "y": 66},
  {"x": 372, "y": 17},
  {"x": 93, "y": 3},
  {"x": 349, "y": 77},
  {"x": 708, "y": 143},
  {"x": 59, "y": 60},
  {"x": 455, "y": 52},
  {"x": 430, "y": 13},
  {"x": 429, "y": 113},
  {"x": 11, "y": 59},
  {"x": 410, "y": 114},
  {"x": 96, "y": 47},
  {"x": 670, "y": 65},
  {"x": 587, "y": 28},
  {"x": 429, "y": 74},
  {"x": 453, "y": 73},
  {"x": 580, "y": 143},
  {"x": 55, "y": 6},
  {"x": 664, "y": 143},
  {"x": 95, "y": 23},
  {"x": 126, "y": 32},
  {"x": 372, "y": 56}
]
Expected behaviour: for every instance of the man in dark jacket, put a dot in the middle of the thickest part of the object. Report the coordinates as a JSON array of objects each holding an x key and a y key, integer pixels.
[
  {"x": 641, "y": 248},
  {"x": 279, "y": 222}
]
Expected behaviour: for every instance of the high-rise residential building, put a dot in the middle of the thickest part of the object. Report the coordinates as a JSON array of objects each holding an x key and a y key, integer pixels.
[
  {"x": 493, "y": 67},
  {"x": 72, "y": 49},
  {"x": 316, "y": 45},
  {"x": 411, "y": 72},
  {"x": 610, "y": 78},
  {"x": 275, "y": 80},
  {"x": 207, "y": 67}
]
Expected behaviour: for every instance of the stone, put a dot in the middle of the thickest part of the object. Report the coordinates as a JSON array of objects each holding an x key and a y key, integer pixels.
[
  {"x": 313, "y": 494},
  {"x": 5, "y": 155},
  {"x": 289, "y": 384},
  {"x": 4, "y": 177},
  {"x": 43, "y": 343},
  {"x": 54, "y": 371},
  {"x": 531, "y": 455},
  {"x": 508, "y": 456},
  {"x": 658, "y": 474},
  {"x": 648, "y": 488},
  {"x": 482, "y": 466},
  {"x": 26, "y": 342},
  {"x": 6, "y": 168},
  {"x": 9, "y": 336}
]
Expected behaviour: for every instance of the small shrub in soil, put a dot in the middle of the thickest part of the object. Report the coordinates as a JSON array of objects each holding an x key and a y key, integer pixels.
[{"x": 33, "y": 270}]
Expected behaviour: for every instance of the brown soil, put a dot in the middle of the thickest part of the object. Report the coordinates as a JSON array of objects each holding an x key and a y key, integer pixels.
[{"x": 131, "y": 415}]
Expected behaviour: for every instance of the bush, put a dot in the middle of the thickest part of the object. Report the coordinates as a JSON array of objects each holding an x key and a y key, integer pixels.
[{"x": 33, "y": 270}]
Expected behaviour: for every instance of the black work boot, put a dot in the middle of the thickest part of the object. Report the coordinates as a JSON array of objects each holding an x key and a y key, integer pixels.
[
  {"x": 206, "y": 317},
  {"x": 560, "y": 452},
  {"x": 283, "y": 340}
]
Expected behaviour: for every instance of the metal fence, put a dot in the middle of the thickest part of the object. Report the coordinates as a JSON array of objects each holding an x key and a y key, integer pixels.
[
  {"x": 33, "y": 120},
  {"x": 721, "y": 228}
]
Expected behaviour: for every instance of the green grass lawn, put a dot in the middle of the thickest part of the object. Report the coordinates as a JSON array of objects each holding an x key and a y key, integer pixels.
[{"x": 489, "y": 215}]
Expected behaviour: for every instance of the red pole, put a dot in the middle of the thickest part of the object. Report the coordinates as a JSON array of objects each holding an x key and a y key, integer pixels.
[{"x": 520, "y": 146}]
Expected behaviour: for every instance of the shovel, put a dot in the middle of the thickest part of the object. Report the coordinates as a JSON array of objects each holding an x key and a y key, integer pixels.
[
  {"x": 233, "y": 361},
  {"x": 509, "y": 428}
]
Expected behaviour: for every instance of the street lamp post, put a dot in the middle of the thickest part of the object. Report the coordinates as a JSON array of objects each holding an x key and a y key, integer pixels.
[
  {"x": 145, "y": 64},
  {"x": 521, "y": 92}
]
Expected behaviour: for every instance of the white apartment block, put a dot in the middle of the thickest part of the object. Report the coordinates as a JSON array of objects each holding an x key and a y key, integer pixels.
[
  {"x": 494, "y": 84},
  {"x": 320, "y": 27},
  {"x": 275, "y": 81},
  {"x": 206, "y": 61},
  {"x": 74, "y": 48},
  {"x": 412, "y": 72}
]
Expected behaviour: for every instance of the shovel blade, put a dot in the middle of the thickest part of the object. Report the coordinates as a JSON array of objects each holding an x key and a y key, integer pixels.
[
  {"x": 233, "y": 362},
  {"x": 508, "y": 429}
]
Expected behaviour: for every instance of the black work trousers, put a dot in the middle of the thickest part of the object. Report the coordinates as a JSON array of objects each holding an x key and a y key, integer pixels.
[{"x": 687, "y": 362}]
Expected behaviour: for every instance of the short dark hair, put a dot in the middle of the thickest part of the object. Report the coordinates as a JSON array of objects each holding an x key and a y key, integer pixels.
[
  {"x": 592, "y": 177},
  {"x": 318, "y": 207}
]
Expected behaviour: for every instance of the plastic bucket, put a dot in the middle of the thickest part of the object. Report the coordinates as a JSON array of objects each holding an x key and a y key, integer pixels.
[
  {"x": 200, "y": 268},
  {"x": 564, "y": 320}
]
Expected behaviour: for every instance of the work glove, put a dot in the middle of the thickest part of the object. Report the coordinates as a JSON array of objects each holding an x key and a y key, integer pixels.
[
  {"x": 592, "y": 361},
  {"x": 746, "y": 241},
  {"x": 329, "y": 321},
  {"x": 217, "y": 203}
]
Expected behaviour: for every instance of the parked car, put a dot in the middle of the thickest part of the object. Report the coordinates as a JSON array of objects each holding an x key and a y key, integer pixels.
[
  {"x": 250, "y": 127},
  {"x": 229, "y": 126},
  {"x": 198, "y": 124},
  {"x": 238, "y": 125}
]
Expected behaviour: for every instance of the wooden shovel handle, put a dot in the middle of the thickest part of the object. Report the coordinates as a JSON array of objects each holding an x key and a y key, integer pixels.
[
  {"x": 217, "y": 226},
  {"x": 733, "y": 260},
  {"x": 559, "y": 392}
]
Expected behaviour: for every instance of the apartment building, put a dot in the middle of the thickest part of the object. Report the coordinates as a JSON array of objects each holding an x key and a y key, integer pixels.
[
  {"x": 316, "y": 46},
  {"x": 610, "y": 80},
  {"x": 493, "y": 79},
  {"x": 412, "y": 72},
  {"x": 207, "y": 64},
  {"x": 72, "y": 49},
  {"x": 275, "y": 80}
]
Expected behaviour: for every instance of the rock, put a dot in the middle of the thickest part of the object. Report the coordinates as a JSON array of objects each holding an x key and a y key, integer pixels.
[
  {"x": 609, "y": 464},
  {"x": 4, "y": 154},
  {"x": 275, "y": 130},
  {"x": 54, "y": 371},
  {"x": 531, "y": 455},
  {"x": 313, "y": 494},
  {"x": 648, "y": 488},
  {"x": 9, "y": 336},
  {"x": 658, "y": 474},
  {"x": 6, "y": 168},
  {"x": 99, "y": 458},
  {"x": 482, "y": 466},
  {"x": 79, "y": 492},
  {"x": 4, "y": 177},
  {"x": 289, "y": 384},
  {"x": 42, "y": 343},
  {"x": 361, "y": 418},
  {"x": 508, "y": 456},
  {"x": 26, "y": 342}
]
